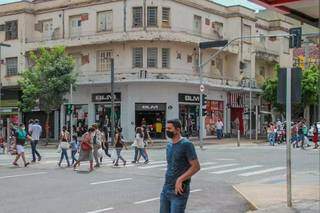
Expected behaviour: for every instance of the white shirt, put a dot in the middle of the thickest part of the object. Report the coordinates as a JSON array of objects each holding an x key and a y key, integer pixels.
[
  {"x": 36, "y": 131},
  {"x": 139, "y": 141},
  {"x": 219, "y": 125}
]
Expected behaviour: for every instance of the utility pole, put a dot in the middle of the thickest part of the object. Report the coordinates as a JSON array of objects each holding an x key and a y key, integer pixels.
[
  {"x": 112, "y": 102},
  {"x": 201, "y": 100}
]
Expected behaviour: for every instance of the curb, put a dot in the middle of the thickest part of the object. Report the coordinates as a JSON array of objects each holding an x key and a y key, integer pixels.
[{"x": 252, "y": 205}]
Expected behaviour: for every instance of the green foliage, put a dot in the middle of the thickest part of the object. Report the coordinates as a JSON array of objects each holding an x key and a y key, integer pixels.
[
  {"x": 310, "y": 85},
  {"x": 310, "y": 88},
  {"x": 48, "y": 80}
]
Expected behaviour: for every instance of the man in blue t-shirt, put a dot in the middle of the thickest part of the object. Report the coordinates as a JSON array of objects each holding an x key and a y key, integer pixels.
[{"x": 182, "y": 164}]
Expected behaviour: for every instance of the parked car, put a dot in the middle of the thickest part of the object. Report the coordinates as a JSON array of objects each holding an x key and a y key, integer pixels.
[{"x": 310, "y": 132}]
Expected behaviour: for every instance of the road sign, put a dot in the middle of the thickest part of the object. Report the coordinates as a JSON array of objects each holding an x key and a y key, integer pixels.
[
  {"x": 202, "y": 88},
  {"x": 209, "y": 44}
]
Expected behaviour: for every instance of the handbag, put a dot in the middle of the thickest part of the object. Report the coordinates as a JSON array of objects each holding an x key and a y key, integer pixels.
[{"x": 64, "y": 145}]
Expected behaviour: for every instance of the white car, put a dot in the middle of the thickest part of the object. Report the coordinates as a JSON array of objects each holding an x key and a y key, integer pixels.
[{"x": 310, "y": 132}]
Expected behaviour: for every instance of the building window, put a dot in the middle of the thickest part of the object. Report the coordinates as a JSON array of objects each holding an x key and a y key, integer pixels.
[
  {"x": 47, "y": 29},
  {"x": 197, "y": 24},
  {"x": 247, "y": 32},
  {"x": 152, "y": 57},
  {"x": 105, "y": 21},
  {"x": 103, "y": 60},
  {"x": 12, "y": 66},
  {"x": 165, "y": 17},
  {"x": 137, "y": 57},
  {"x": 137, "y": 14},
  {"x": 75, "y": 26},
  {"x": 165, "y": 57},
  {"x": 11, "y": 30},
  {"x": 152, "y": 17}
]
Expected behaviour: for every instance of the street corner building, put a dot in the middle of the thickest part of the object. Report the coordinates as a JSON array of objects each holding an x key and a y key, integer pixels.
[{"x": 154, "y": 45}]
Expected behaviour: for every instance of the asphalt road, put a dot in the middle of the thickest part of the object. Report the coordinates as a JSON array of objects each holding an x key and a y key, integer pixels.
[{"x": 45, "y": 188}]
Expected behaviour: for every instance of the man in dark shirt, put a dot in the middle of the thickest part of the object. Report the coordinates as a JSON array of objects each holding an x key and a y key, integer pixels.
[{"x": 182, "y": 165}]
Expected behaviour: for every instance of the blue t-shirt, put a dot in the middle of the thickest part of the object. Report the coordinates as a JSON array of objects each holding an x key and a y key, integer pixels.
[
  {"x": 178, "y": 157},
  {"x": 74, "y": 145}
]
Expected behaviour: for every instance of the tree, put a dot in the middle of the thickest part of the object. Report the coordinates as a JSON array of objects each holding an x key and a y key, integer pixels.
[
  {"x": 310, "y": 89},
  {"x": 269, "y": 88},
  {"x": 47, "y": 82}
]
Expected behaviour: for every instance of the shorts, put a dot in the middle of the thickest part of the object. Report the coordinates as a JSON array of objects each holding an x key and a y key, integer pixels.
[{"x": 20, "y": 149}]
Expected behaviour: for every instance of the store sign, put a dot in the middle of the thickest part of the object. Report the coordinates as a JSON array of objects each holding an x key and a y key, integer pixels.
[
  {"x": 150, "y": 107},
  {"x": 189, "y": 98},
  {"x": 106, "y": 97}
]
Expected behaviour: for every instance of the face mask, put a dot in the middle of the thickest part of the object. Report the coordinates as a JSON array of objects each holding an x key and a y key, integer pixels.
[
  {"x": 23, "y": 128},
  {"x": 170, "y": 134}
]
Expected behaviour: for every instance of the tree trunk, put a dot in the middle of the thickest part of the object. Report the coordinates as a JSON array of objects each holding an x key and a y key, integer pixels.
[
  {"x": 306, "y": 114},
  {"x": 47, "y": 127}
]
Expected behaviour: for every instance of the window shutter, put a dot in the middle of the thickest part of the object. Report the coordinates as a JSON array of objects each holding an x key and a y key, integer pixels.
[
  {"x": 137, "y": 16},
  {"x": 2, "y": 27},
  {"x": 165, "y": 17},
  {"x": 152, "y": 19},
  {"x": 85, "y": 59},
  {"x": 38, "y": 27},
  {"x": 165, "y": 58},
  {"x": 207, "y": 21}
]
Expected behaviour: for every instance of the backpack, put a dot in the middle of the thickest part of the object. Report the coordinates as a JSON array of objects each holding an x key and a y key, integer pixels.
[{"x": 21, "y": 134}]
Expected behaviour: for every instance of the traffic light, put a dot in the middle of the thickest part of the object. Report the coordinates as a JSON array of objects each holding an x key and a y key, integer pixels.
[
  {"x": 69, "y": 109},
  {"x": 295, "y": 40},
  {"x": 204, "y": 105}
]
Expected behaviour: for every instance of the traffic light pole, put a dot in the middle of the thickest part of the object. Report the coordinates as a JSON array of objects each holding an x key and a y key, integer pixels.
[
  {"x": 112, "y": 102},
  {"x": 71, "y": 114}
]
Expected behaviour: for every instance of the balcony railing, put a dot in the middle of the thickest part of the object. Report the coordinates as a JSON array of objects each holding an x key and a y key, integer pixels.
[{"x": 57, "y": 35}]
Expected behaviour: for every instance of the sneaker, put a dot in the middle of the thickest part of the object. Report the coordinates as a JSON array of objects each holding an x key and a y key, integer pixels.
[
  {"x": 146, "y": 162},
  {"x": 33, "y": 161},
  {"x": 124, "y": 163},
  {"x": 133, "y": 161},
  {"x": 39, "y": 158},
  {"x": 15, "y": 164},
  {"x": 101, "y": 160},
  {"x": 96, "y": 166},
  {"x": 116, "y": 164},
  {"x": 25, "y": 165}
]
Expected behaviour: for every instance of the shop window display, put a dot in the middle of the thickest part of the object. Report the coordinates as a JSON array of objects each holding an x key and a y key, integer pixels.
[{"x": 215, "y": 111}]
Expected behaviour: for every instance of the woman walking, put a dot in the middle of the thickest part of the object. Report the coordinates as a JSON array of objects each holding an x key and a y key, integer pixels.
[
  {"x": 86, "y": 150},
  {"x": 104, "y": 145},
  {"x": 21, "y": 137},
  {"x": 64, "y": 145},
  {"x": 315, "y": 137},
  {"x": 74, "y": 148},
  {"x": 119, "y": 146},
  {"x": 140, "y": 145}
]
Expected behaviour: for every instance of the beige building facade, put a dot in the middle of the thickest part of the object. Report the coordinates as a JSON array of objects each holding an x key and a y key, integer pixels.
[{"x": 154, "y": 45}]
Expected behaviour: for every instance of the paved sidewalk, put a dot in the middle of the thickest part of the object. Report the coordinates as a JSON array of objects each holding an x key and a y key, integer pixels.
[{"x": 269, "y": 196}]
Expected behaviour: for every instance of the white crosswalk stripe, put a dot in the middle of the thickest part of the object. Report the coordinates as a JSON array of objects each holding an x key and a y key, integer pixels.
[
  {"x": 201, "y": 164},
  {"x": 219, "y": 166},
  {"x": 262, "y": 171},
  {"x": 153, "y": 166},
  {"x": 236, "y": 169}
]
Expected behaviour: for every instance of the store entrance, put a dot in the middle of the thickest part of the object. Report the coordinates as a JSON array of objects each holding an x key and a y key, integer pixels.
[
  {"x": 189, "y": 116},
  {"x": 153, "y": 116}
]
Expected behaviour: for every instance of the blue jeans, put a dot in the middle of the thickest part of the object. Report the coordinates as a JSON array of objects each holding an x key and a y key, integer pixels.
[
  {"x": 64, "y": 154},
  {"x": 172, "y": 203},
  {"x": 142, "y": 152},
  {"x": 119, "y": 155},
  {"x": 272, "y": 138},
  {"x": 34, "y": 150},
  {"x": 73, "y": 156},
  {"x": 219, "y": 133}
]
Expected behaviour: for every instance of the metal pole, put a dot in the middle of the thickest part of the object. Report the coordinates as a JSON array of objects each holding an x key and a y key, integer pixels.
[
  {"x": 238, "y": 138},
  {"x": 201, "y": 100},
  {"x": 72, "y": 108},
  {"x": 288, "y": 118},
  {"x": 257, "y": 123},
  {"x": 112, "y": 102}
]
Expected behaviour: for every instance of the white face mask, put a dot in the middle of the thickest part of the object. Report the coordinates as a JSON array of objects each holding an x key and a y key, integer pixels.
[{"x": 23, "y": 128}]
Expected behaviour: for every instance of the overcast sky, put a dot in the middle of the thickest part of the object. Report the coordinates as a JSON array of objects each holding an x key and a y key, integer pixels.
[{"x": 224, "y": 2}]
